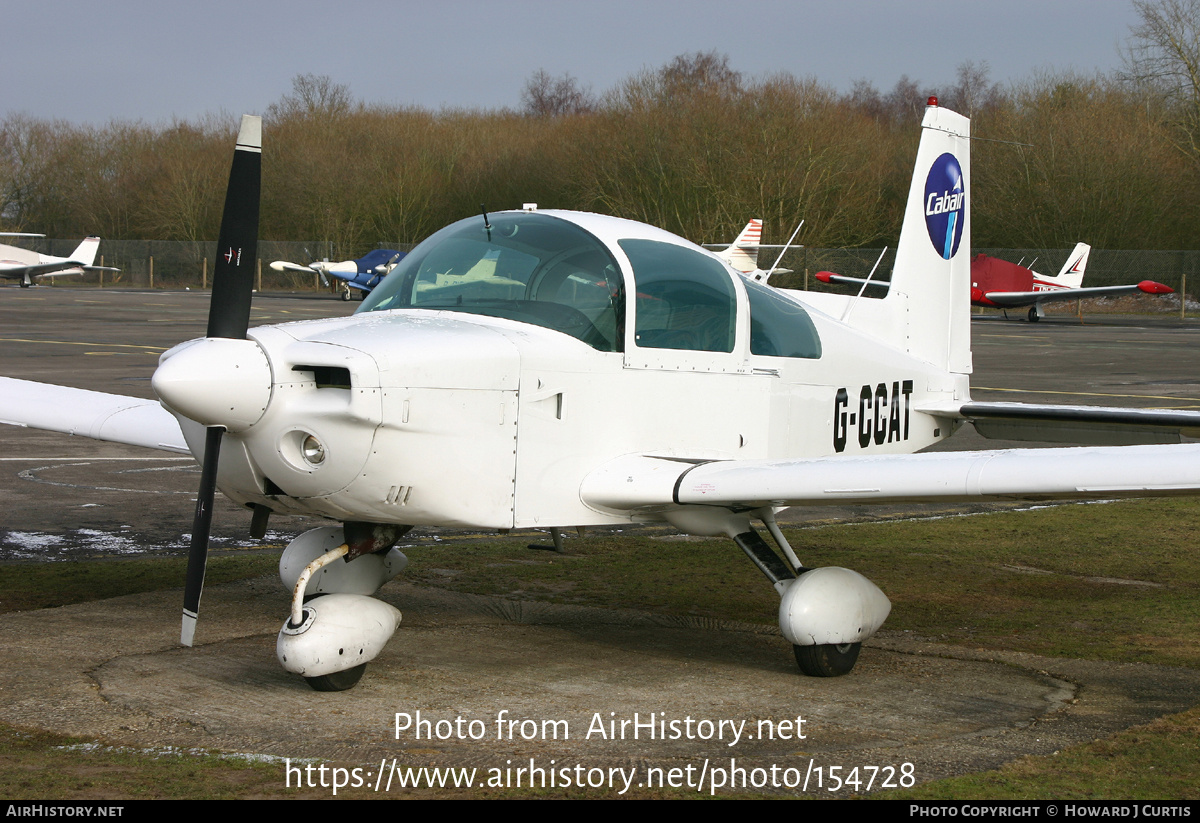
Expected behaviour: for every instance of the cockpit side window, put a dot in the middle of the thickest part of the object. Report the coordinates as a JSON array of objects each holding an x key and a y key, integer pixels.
[
  {"x": 533, "y": 268},
  {"x": 685, "y": 299},
  {"x": 779, "y": 327}
]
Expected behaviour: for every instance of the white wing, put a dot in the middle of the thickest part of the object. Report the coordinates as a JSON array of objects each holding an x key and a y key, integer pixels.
[
  {"x": 97, "y": 415},
  {"x": 640, "y": 483}
]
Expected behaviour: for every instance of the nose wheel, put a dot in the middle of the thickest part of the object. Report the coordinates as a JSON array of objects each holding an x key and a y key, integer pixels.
[
  {"x": 827, "y": 660},
  {"x": 339, "y": 681}
]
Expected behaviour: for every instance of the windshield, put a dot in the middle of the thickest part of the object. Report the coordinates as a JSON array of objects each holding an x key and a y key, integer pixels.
[{"x": 528, "y": 267}]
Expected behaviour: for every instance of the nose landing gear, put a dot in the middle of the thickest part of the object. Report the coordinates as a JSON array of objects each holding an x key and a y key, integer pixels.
[{"x": 336, "y": 627}]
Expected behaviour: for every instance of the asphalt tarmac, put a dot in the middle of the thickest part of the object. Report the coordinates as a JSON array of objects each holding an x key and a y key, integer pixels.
[{"x": 114, "y": 671}]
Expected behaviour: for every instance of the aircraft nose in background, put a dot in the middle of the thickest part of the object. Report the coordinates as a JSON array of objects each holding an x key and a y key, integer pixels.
[{"x": 216, "y": 382}]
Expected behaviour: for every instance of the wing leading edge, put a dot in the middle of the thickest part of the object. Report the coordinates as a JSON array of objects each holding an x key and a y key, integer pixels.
[
  {"x": 97, "y": 415},
  {"x": 643, "y": 484}
]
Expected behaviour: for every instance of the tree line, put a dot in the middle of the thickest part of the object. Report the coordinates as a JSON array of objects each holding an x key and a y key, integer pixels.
[{"x": 693, "y": 146}]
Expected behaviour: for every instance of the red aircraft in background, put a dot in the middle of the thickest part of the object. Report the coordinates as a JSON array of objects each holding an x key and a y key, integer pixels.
[{"x": 1000, "y": 284}]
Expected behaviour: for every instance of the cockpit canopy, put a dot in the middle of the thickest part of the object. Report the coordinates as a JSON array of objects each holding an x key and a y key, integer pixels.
[
  {"x": 528, "y": 267},
  {"x": 541, "y": 269}
]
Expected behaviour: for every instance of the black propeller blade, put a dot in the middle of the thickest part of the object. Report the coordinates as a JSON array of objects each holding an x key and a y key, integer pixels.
[{"x": 228, "y": 316}]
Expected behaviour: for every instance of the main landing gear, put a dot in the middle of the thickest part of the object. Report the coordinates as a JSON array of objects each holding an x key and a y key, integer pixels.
[{"x": 825, "y": 613}]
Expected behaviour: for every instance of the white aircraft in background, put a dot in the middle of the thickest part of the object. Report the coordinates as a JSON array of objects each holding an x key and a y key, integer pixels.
[
  {"x": 24, "y": 265},
  {"x": 742, "y": 254},
  {"x": 999, "y": 284},
  {"x": 552, "y": 369}
]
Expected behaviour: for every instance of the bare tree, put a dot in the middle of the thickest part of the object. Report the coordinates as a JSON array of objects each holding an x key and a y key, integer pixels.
[
  {"x": 1163, "y": 56},
  {"x": 973, "y": 90},
  {"x": 312, "y": 96},
  {"x": 546, "y": 96},
  {"x": 701, "y": 71},
  {"x": 906, "y": 102},
  {"x": 865, "y": 98}
]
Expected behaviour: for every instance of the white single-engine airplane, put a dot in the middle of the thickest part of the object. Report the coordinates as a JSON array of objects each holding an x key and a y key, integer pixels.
[
  {"x": 24, "y": 265},
  {"x": 552, "y": 369}
]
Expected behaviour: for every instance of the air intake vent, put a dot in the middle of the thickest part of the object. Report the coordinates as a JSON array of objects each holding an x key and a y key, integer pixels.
[{"x": 328, "y": 377}]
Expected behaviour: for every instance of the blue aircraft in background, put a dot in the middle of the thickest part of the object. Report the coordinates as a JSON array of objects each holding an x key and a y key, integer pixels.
[{"x": 363, "y": 274}]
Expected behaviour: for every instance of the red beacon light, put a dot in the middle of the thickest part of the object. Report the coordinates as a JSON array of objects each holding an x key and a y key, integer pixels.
[{"x": 932, "y": 101}]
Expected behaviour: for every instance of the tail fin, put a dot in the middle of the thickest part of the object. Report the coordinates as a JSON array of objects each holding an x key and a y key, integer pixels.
[
  {"x": 85, "y": 252},
  {"x": 742, "y": 253},
  {"x": 929, "y": 302},
  {"x": 1071, "y": 275}
]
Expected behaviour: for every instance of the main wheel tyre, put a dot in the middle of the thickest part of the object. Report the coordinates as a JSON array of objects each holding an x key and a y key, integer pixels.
[
  {"x": 828, "y": 660},
  {"x": 1033, "y": 315},
  {"x": 338, "y": 681},
  {"x": 345, "y": 295}
]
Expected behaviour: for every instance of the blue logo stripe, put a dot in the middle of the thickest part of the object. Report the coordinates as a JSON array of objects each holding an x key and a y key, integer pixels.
[{"x": 950, "y": 238}]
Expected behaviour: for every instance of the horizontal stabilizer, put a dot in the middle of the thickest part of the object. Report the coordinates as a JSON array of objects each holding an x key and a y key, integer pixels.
[
  {"x": 842, "y": 280},
  {"x": 1090, "y": 425}
]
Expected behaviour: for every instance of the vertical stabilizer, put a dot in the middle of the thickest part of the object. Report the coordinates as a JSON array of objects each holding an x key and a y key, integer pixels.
[
  {"x": 85, "y": 252},
  {"x": 931, "y": 284},
  {"x": 1071, "y": 275},
  {"x": 742, "y": 253}
]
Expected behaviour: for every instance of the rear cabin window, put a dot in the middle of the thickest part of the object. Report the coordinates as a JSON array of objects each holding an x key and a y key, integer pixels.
[
  {"x": 685, "y": 299},
  {"x": 779, "y": 327}
]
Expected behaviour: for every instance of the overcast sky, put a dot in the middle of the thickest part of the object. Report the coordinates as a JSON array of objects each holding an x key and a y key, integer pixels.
[{"x": 152, "y": 61}]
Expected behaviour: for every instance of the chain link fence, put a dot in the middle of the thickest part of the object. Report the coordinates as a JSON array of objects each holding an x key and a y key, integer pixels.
[{"x": 180, "y": 264}]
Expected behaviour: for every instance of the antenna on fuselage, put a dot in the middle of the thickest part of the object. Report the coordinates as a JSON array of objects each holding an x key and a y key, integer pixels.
[
  {"x": 786, "y": 246},
  {"x": 486, "y": 225},
  {"x": 863, "y": 288}
]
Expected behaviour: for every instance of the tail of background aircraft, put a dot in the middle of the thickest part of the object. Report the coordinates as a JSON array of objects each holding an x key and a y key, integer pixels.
[
  {"x": 85, "y": 252},
  {"x": 928, "y": 307},
  {"x": 1071, "y": 275},
  {"x": 742, "y": 253}
]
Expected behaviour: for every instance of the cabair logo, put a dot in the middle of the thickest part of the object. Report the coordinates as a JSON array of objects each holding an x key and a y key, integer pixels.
[{"x": 945, "y": 201}]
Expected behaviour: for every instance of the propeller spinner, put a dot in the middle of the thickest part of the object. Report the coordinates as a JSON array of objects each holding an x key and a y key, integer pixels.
[{"x": 228, "y": 317}]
